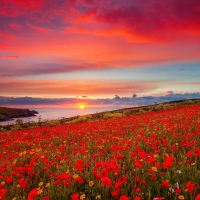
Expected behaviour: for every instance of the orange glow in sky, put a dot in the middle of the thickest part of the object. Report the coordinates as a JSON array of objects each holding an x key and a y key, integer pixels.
[
  {"x": 86, "y": 50},
  {"x": 81, "y": 105}
]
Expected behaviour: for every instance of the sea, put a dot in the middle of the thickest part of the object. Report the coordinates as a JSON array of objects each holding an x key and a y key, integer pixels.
[{"x": 59, "y": 113}]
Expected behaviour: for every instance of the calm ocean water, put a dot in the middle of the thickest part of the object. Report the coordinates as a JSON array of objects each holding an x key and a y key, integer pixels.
[{"x": 58, "y": 113}]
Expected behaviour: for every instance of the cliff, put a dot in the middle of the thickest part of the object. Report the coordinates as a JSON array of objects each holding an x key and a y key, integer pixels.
[{"x": 10, "y": 113}]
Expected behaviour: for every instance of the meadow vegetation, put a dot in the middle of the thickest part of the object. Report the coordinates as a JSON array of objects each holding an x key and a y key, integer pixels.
[
  {"x": 149, "y": 155},
  {"x": 20, "y": 124}
]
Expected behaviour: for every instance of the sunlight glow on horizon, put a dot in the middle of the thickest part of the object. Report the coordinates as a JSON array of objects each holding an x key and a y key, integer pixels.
[{"x": 87, "y": 50}]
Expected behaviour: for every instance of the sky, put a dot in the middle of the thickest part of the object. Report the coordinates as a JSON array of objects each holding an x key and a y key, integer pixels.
[{"x": 64, "y": 52}]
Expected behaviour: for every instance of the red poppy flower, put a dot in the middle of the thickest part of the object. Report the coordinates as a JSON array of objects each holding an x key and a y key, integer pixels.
[
  {"x": 75, "y": 196},
  {"x": 3, "y": 193},
  {"x": 106, "y": 182},
  {"x": 115, "y": 193},
  {"x": 123, "y": 197},
  {"x": 197, "y": 197},
  {"x": 23, "y": 183},
  {"x": 189, "y": 154},
  {"x": 165, "y": 184},
  {"x": 137, "y": 198},
  {"x": 190, "y": 186},
  {"x": 178, "y": 191},
  {"x": 9, "y": 180},
  {"x": 32, "y": 194}
]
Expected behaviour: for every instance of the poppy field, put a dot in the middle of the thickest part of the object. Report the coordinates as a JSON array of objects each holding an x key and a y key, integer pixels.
[{"x": 149, "y": 156}]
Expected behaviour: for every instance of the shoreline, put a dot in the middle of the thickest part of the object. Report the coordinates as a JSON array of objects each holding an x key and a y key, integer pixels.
[
  {"x": 96, "y": 115},
  {"x": 7, "y": 114}
]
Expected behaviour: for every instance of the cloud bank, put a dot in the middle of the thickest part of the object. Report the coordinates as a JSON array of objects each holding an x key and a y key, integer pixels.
[{"x": 115, "y": 101}]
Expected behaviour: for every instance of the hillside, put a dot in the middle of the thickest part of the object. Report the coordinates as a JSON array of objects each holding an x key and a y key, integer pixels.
[
  {"x": 145, "y": 156},
  {"x": 98, "y": 116}
]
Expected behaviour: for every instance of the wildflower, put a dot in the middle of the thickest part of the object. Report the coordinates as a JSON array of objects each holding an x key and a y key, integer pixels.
[
  {"x": 98, "y": 197},
  {"x": 82, "y": 197},
  {"x": 23, "y": 183},
  {"x": 144, "y": 182},
  {"x": 138, "y": 190},
  {"x": 190, "y": 186},
  {"x": 137, "y": 198},
  {"x": 9, "y": 180},
  {"x": 3, "y": 183},
  {"x": 106, "y": 182},
  {"x": 153, "y": 177},
  {"x": 181, "y": 197},
  {"x": 64, "y": 176},
  {"x": 3, "y": 193},
  {"x": 154, "y": 169},
  {"x": 123, "y": 197},
  {"x": 47, "y": 185},
  {"x": 123, "y": 179},
  {"x": 75, "y": 176},
  {"x": 32, "y": 194},
  {"x": 40, "y": 184},
  {"x": 115, "y": 193},
  {"x": 197, "y": 197},
  {"x": 167, "y": 164},
  {"x": 118, "y": 184},
  {"x": 137, "y": 179},
  {"x": 79, "y": 180},
  {"x": 138, "y": 164},
  {"x": 171, "y": 190},
  {"x": 66, "y": 182},
  {"x": 40, "y": 191},
  {"x": 91, "y": 183},
  {"x": 75, "y": 196},
  {"x": 165, "y": 184},
  {"x": 174, "y": 148},
  {"x": 56, "y": 182},
  {"x": 177, "y": 190},
  {"x": 157, "y": 198},
  {"x": 189, "y": 154}
]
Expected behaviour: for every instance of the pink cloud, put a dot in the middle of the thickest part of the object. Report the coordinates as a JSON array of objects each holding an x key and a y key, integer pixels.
[
  {"x": 8, "y": 36},
  {"x": 15, "y": 26},
  {"x": 40, "y": 29},
  {"x": 169, "y": 93},
  {"x": 159, "y": 20},
  {"x": 19, "y": 7},
  {"x": 87, "y": 34},
  {"x": 9, "y": 57},
  {"x": 72, "y": 87},
  {"x": 156, "y": 22}
]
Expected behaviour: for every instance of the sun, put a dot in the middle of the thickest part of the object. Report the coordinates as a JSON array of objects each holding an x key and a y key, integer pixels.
[{"x": 81, "y": 105}]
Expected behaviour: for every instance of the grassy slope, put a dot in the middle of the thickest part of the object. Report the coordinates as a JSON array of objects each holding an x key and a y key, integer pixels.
[{"x": 97, "y": 116}]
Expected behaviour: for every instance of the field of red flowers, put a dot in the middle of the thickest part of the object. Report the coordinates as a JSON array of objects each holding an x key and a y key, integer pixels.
[{"x": 149, "y": 156}]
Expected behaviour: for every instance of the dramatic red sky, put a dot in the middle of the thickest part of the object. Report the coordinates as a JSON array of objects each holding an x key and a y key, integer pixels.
[{"x": 99, "y": 48}]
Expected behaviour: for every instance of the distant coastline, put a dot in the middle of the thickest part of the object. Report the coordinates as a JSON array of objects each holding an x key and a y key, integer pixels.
[{"x": 7, "y": 114}]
